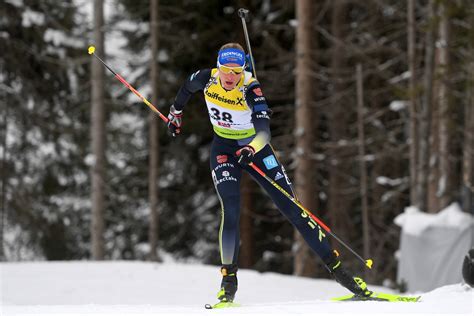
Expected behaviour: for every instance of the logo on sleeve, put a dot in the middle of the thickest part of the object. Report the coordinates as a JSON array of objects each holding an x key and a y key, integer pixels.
[
  {"x": 222, "y": 158},
  {"x": 270, "y": 162},
  {"x": 194, "y": 75},
  {"x": 262, "y": 115},
  {"x": 258, "y": 92}
]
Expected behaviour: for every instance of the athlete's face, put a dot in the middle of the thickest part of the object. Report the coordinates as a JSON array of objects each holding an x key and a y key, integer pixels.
[{"x": 229, "y": 79}]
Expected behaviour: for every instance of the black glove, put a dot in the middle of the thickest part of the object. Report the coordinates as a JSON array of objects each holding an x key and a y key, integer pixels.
[
  {"x": 175, "y": 121},
  {"x": 245, "y": 155}
]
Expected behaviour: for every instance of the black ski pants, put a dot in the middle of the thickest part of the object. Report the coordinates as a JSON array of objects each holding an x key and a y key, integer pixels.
[{"x": 226, "y": 174}]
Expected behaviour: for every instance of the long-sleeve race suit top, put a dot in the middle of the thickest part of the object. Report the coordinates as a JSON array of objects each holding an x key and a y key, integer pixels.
[{"x": 240, "y": 114}]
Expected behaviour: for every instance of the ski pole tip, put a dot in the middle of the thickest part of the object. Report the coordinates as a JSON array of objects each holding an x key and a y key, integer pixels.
[
  {"x": 91, "y": 49},
  {"x": 369, "y": 263}
]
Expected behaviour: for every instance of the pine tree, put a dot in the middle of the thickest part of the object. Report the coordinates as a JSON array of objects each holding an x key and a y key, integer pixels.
[{"x": 41, "y": 81}]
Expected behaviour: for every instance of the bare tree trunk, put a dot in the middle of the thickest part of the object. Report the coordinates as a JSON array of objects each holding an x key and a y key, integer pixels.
[
  {"x": 153, "y": 189},
  {"x": 413, "y": 102},
  {"x": 468, "y": 155},
  {"x": 304, "y": 261},
  {"x": 425, "y": 118},
  {"x": 339, "y": 166},
  {"x": 433, "y": 174},
  {"x": 98, "y": 137},
  {"x": 246, "y": 257},
  {"x": 4, "y": 175},
  {"x": 468, "y": 148},
  {"x": 362, "y": 167},
  {"x": 446, "y": 170}
]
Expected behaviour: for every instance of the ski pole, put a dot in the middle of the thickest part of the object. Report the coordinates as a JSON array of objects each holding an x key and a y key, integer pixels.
[
  {"x": 91, "y": 51},
  {"x": 367, "y": 262},
  {"x": 243, "y": 13}
]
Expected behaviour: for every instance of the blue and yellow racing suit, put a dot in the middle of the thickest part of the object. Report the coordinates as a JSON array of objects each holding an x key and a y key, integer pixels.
[{"x": 241, "y": 117}]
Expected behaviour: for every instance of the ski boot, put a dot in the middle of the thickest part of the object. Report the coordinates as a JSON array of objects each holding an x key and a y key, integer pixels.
[
  {"x": 228, "y": 284},
  {"x": 347, "y": 279}
]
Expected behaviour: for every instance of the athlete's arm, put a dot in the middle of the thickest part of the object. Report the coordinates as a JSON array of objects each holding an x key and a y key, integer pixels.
[
  {"x": 260, "y": 116},
  {"x": 196, "y": 82}
]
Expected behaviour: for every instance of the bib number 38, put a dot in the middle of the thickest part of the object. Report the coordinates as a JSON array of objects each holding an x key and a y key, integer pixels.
[{"x": 221, "y": 116}]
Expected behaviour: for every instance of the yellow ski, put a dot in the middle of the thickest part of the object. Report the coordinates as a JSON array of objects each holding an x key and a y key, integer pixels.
[
  {"x": 221, "y": 305},
  {"x": 378, "y": 296}
]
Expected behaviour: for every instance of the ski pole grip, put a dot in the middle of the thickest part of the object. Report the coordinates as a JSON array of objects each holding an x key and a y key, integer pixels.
[{"x": 243, "y": 13}]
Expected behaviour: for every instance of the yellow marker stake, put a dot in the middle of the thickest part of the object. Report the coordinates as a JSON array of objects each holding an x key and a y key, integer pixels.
[{"x": 91, "y": 49}]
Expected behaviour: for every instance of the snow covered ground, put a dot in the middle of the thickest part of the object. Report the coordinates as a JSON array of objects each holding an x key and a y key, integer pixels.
[{"x": 142, "y": 288}]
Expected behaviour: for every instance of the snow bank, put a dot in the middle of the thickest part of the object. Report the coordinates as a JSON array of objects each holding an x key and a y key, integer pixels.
[
  {"x": 143, "y": 288},
  {"x": 414, "y": 222}
]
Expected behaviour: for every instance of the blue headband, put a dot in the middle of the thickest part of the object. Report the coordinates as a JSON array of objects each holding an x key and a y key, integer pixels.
[{"x": 231, "y": 55}]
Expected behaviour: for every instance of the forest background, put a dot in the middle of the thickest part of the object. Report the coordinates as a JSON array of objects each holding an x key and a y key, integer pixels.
[{"x": 372, "y": 112}]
